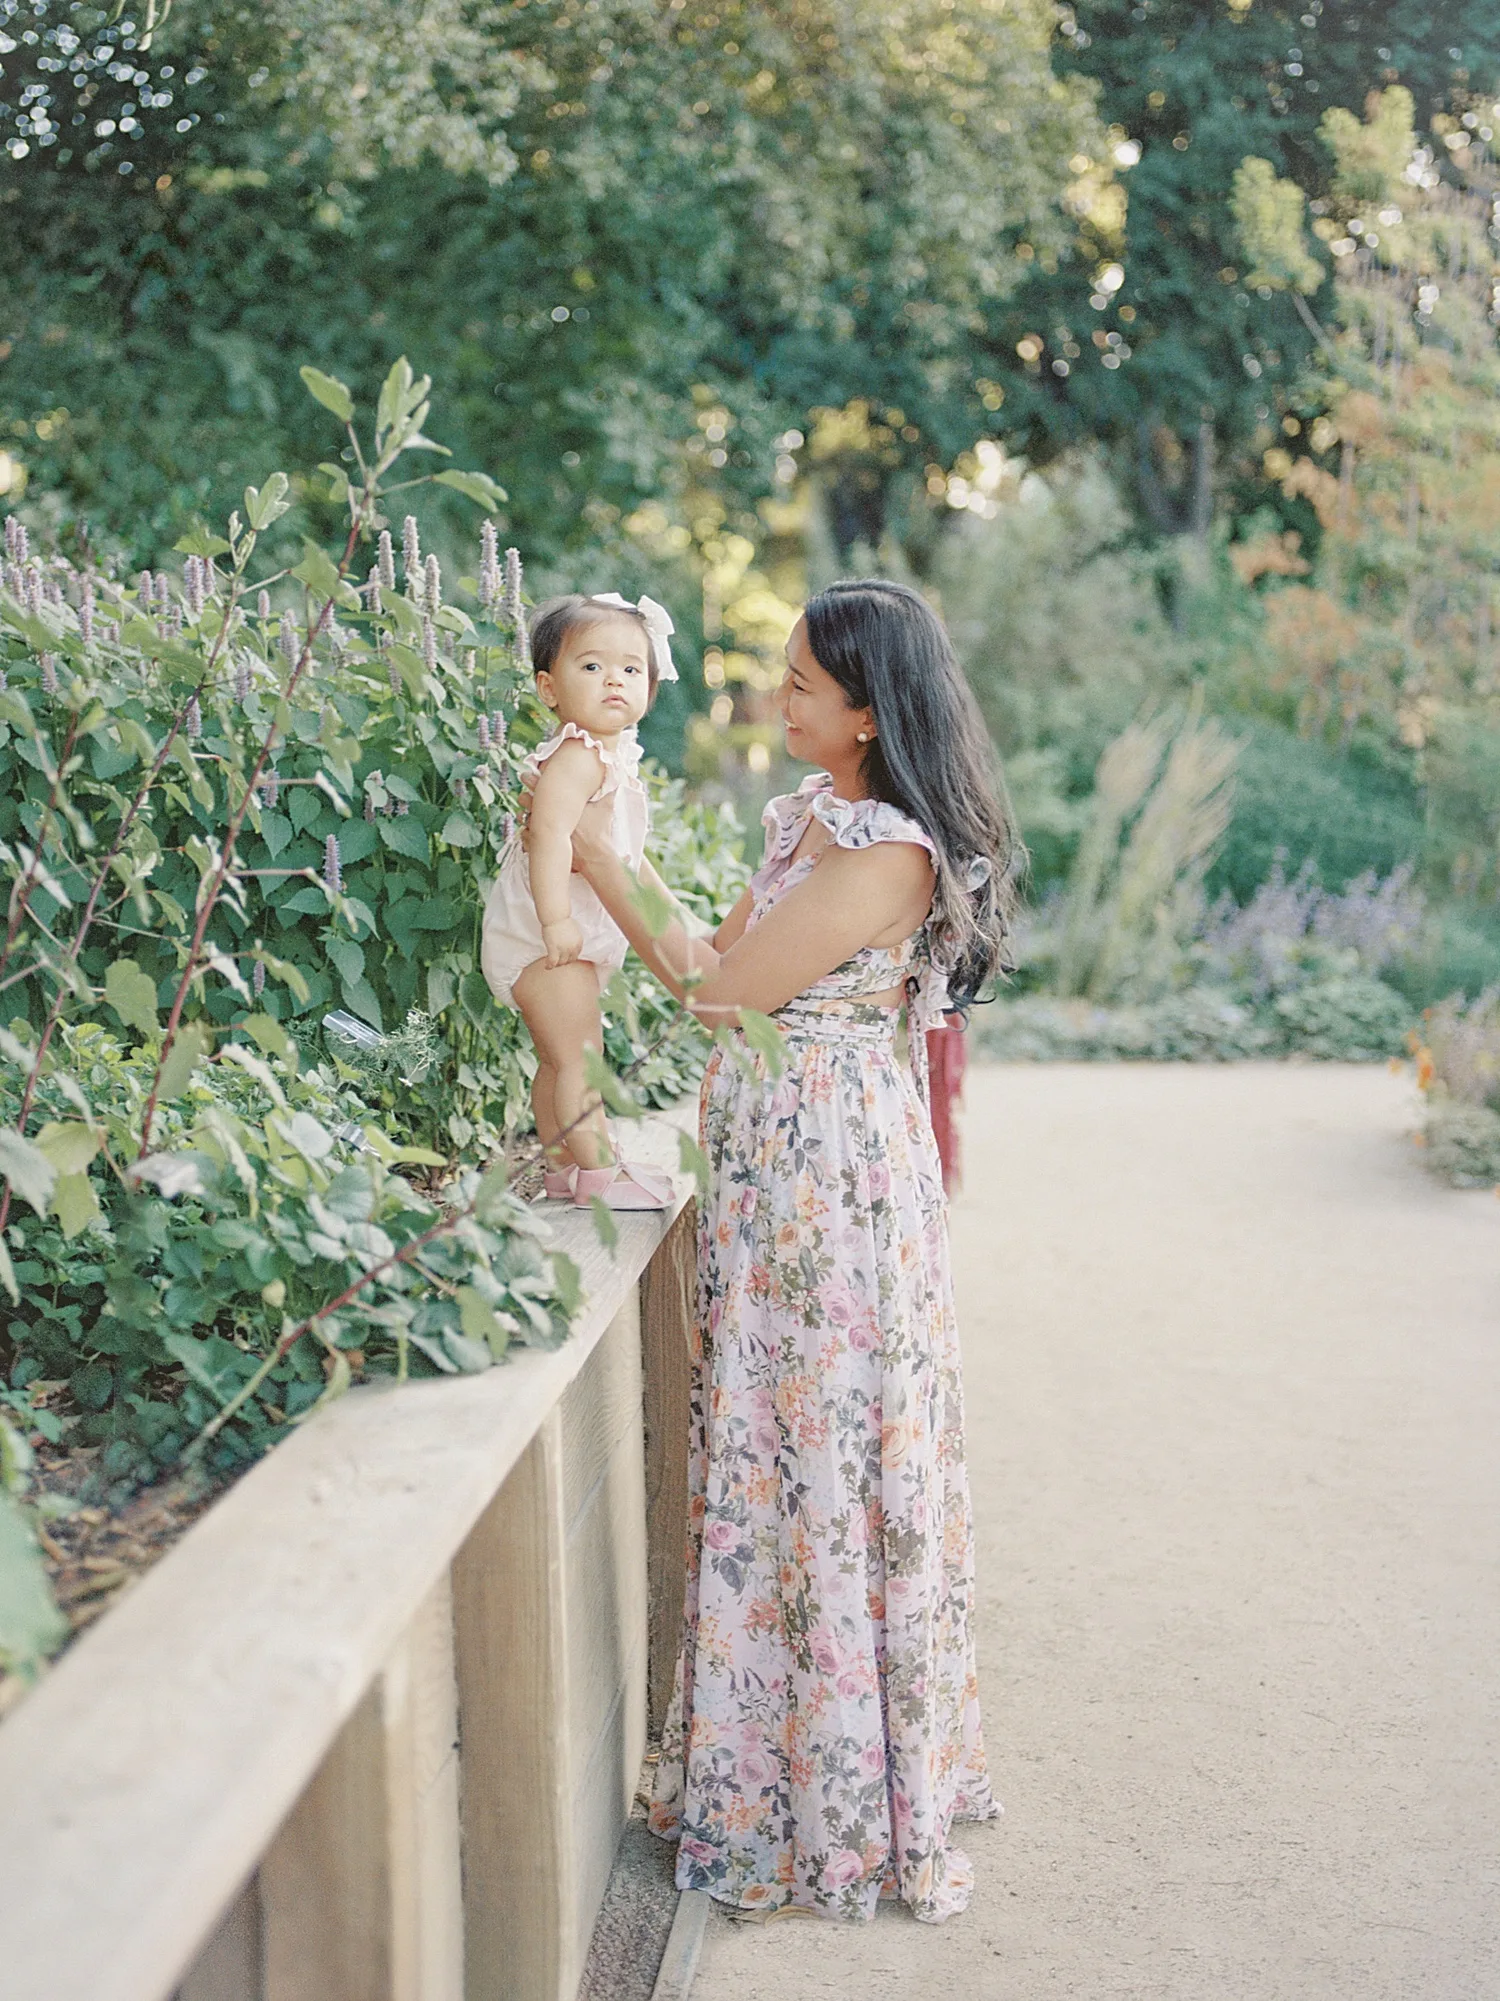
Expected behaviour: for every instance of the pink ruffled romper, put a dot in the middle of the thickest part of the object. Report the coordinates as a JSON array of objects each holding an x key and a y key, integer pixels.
[{"x": 511, "y": 938}]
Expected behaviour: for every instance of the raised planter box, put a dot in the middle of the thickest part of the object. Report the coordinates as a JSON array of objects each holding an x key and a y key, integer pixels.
[{"x": 371, "y": 1731}]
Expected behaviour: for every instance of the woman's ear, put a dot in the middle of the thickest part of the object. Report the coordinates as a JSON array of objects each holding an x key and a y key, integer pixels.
[{"x": 867, "y": 730}]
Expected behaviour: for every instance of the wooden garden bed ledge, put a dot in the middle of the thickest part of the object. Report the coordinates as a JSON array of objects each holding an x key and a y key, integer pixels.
[{"x": 370, "y": 1731}]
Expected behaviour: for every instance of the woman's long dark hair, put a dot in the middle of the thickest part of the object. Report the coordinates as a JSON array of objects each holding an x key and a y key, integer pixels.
[{"x": 932, "y": 757}]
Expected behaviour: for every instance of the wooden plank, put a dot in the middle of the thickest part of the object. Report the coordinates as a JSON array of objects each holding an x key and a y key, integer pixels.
[
  {"x": 679, "y": 1964},
  {"x": 229, "y": 1966},
  {"x": 420, "y": 1709},
  {"x": 143, "y": 1780},
  {"x": 605, "y": 1597},
  {"x": 668, "y": 1303},
  {"x": 325, "y": 1882},
  {"x": 602, "y": 1405},
  {"x": 520, "y": 1895}
]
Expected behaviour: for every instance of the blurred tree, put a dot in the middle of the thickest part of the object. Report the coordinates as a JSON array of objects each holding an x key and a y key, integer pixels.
[{"x": 1161, "y": 338}]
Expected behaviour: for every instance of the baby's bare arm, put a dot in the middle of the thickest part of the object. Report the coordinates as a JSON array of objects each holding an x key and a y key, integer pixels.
[{"x": 564, "y": 786}]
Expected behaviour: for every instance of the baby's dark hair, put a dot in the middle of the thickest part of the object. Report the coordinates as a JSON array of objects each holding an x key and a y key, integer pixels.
[{"x": 553, "y": 621}]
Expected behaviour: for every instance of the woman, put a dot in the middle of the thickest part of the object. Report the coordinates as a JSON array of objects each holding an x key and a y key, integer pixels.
[{"x": 824, "y": 1732}]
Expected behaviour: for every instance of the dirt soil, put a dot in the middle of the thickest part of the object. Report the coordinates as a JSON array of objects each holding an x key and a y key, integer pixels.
[{"x": 1233, "y": 1369}]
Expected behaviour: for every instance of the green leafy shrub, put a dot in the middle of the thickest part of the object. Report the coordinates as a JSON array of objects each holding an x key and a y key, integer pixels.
[
  {"x": 1347, "y": 1019},
  {"x": 1458, "y": 1069}
]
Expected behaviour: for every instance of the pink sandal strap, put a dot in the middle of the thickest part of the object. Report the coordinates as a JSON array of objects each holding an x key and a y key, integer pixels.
[{"x": 621, "y": 1187}]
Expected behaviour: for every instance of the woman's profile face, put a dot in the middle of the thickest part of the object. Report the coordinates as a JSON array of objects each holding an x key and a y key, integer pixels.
[{"x": 821, "y": 728}]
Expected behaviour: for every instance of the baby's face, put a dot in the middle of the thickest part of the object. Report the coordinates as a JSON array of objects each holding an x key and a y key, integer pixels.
[{"x": 601, "y": 676}]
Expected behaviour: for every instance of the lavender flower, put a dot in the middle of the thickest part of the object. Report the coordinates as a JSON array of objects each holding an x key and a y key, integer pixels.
[
  {"x": 270, "y": 787},
  {"x": 172, "y": 623},
  {"x": 429, "y": 645},
  {"x": 193, "y": 721},
  {"x": 460, "y": 789},
  {"x": 242, "y": 679},
  {"x": 12, "y": 574},
  {"x": 163, "y": 594},
  {"x": 484, "y": 732},
  {"x": 393, "y": 675},
  {"x": 288, "y": 638},
  {"x": 192, "y": 587},
  {"x": 111, "y": 632},
  {"x": 403, "y": 807},
  {"x": 33, "y": 589},
  {"x": 513, "y": 609},
  {"x": 333, "y": 874},
  {"x": 385, "y": 560},
  {"x": 372, "y": 592},
  {"x": 52, "y": 590},
  {"x": 258, "y": 978},
  {"x": 86, "y": 612},
  {"x": 489, "y": 567},
  {"x": 145, "y": 585},
  {"x": 263, "y": 605},
  {"x": 15, "y": 539},
  {"x": 49, "y": 672},
  {"x": 411, "y": 555},
  {"x": 498, "y": 730},
  {"x": 432, "y": 590}
]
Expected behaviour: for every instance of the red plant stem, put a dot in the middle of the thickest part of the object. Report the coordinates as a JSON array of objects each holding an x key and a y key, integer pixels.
[{"x": 210, "y": 898}]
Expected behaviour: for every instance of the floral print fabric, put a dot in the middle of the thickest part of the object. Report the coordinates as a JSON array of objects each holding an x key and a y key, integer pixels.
[{"x": 824, "y": 1733}]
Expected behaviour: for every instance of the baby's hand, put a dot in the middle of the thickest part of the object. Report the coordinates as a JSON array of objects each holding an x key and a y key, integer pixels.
[{"x": 564, "y": 942}]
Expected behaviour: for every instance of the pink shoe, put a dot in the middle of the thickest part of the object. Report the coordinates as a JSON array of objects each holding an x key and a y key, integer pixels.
[
  {"x": 622, "y": 1187},
  {"x": 557, "y": 1184}
]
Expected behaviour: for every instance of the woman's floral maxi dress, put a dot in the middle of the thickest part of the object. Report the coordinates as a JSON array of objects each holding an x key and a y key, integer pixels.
[{"x": 824, "y": 1732}]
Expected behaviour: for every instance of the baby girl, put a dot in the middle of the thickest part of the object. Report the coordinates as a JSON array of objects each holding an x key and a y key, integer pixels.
[{"x": 549, "y": 946}]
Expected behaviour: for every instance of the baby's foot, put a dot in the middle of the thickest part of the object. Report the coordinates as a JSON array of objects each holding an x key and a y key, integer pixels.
[{"x": 622, "y": 1186}]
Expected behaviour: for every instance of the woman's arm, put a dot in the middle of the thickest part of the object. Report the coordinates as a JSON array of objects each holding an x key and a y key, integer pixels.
[
  {"x": 562, "y": 790},
  {"x": 851, "y": 899}
]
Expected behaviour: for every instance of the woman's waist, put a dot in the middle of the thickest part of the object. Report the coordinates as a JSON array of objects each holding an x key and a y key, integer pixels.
[{"x": 840, "y": 1018}]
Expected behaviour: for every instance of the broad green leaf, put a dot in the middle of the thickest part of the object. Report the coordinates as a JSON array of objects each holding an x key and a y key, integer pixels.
[
  {"x": 201, "y": 541},
  {"x": 475, "y": 485},
  {"x": 74, "y": 1203},
  {"x": 348, "y": 957},
  {"x": 289, "y": 974},
  {"x": 658, "y": 912},
  {"x": 567, "y": 1280},
  {"x": 69, "y": 1147},
  {"x": 8, "y": 1275},
  {"x": 330, "y": 392},
  {"x": 482, "y": 1323},
  {"x": 311, "y": 1139},
  {"x": 418, "y": 1156},
  {"x": 31, "y": 1626},
  {"x": 337, "y": 478},
  {"x": 13, "y": 710},
  {"x": 268, "y": 503},
  {"x": 270, "y": 1035},
  {"x": 492, "y": 1187},
  {"x": 692, "y": 1160},
  {"x": 605, "y": 1225},
  {"x": 27, "y": 1169},
  {"x": 407, "y": 836},
  {"x": 320, "y": 573},
  {"x": 764, "y": 1037},
  {"x": 194, "y": 1357},
  {"x": 459, "y": 831},
  {"x": 471, "y": 1356},
  {"x": 135, "y": 739},
  {"x": 394, "y": 392},
  {"x": 190, "y": 1045}
]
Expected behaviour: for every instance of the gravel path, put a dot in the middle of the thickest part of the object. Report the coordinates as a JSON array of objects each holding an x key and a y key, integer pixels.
[{"x": 1234, "y": 1395}]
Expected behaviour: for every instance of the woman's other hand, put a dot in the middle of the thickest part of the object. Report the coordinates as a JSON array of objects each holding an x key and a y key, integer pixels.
[{"x": 592, "y": 843}]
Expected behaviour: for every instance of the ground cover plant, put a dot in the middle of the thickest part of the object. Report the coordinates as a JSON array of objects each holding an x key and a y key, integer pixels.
[
  {"x": 1457, "y": 1051},
  {"x": 232, "y": 800}
]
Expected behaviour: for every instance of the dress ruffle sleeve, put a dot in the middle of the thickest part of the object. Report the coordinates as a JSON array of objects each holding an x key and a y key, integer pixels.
[{"x": 621, "y": 765}]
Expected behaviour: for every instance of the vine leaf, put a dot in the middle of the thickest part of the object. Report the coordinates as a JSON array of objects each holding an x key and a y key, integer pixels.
[
  {"x": 189, "y": 1047},
  {"x": 27, "y": 1169}
]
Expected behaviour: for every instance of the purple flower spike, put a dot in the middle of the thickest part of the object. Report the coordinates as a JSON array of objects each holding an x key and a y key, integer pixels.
[
  {"x": 513, "y": 586},
  {"x": 242, "y": 679},
  {"x": 385, "y": 563},
  {"x": 429, "y": 645},
  {"x": 15, "y": 539},
  {"x": 258, "y": 978},
  {"x": 263, "y": 605},
  {"x": 193, "y": 723},
  {"x": 460, "y": 789},
  {"x": 163, "y": 594},
  {"x": 145, "y": 586},
  {"x": 498, "y": 730},
  {"x": 402, "y": 809},
  {"x": 484, "y": 732},
  {"x": 333, "y": 874},
  {"x": 288, "y": 637},
  {"x": 393, "y": 675},
  {"x": 49, "y": 672},
  {"x": 432, "y": 588},
  {"x": 411, "y": 555},
  {"x": 372, "y": 592},
  {"x": 489, "y": 567},
  {"x": 270, "y": 787}
]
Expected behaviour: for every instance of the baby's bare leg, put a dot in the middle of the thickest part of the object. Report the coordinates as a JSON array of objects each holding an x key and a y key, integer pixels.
[
  {"x": 561, "y": 1008},
  {"x": 544, "y": 1110}
]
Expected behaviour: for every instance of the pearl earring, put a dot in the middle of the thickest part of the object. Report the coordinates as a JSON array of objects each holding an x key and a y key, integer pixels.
[{"x": 863, "y": 737}]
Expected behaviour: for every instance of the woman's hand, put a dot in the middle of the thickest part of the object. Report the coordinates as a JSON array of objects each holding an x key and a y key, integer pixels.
[{"x": 592, "y": 844}]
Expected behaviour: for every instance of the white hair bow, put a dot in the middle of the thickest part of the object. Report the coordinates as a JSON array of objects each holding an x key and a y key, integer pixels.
[{"x": 659, "y": 628}]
